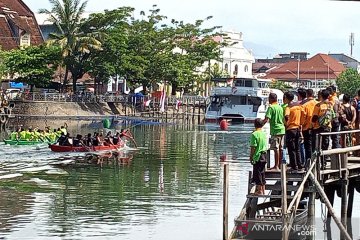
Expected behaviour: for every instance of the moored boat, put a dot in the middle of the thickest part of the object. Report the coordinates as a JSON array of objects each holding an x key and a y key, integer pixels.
[
  {"x": 23, "y": 142},
  {"x": 58, "y": 148},
  {"x": 241, "y": 101}
]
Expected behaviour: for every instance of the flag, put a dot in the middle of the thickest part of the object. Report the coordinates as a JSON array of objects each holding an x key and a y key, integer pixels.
[
  {"x": 178, "y": 104},
  {"x": 147, "y": 103},
  {"x": 162, "y": 100}
]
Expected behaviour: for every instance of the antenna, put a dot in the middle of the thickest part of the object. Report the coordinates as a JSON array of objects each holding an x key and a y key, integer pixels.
[{"x": 352, "y": 43}]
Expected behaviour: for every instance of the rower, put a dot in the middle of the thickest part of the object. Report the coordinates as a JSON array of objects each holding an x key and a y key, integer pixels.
[
  {"x": 77, "y": 142},
  {"x": 107, "y": 139},
  {"x": 126, "y": 134},
  {"x": 89, "y": 140}
]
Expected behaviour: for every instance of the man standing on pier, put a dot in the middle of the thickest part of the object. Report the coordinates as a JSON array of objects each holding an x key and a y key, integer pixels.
[
  {"x": 275, "y": 115},
  {"x": 294, "y": 115},
  {"x": 322, "y": 118},
  {"x": 307, "y": 126}
]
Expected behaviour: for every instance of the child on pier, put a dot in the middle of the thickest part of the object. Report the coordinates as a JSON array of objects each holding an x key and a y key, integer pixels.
[{"x": 258, "y": 148}]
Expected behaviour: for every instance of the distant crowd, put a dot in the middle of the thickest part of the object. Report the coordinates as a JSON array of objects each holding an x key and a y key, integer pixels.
[{"x": 295, "y": 124}]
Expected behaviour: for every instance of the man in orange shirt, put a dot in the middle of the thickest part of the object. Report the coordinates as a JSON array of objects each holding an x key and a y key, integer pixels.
[
  {"x": 293, "y": 115},
  {"x": 335, "y": 126},
  {"x": 308, "y": 107},
  {"x": 322, "y": 118}
]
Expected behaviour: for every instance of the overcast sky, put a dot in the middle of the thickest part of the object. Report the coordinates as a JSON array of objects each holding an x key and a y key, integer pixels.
[{"x": 269, "y": 26}]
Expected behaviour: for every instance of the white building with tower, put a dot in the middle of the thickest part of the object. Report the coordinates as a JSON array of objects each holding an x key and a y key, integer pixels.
[{"x": 237, "y": 60}]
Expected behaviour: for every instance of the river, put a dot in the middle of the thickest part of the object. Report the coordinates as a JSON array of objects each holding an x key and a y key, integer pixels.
[{"x": 170, "y": 188}]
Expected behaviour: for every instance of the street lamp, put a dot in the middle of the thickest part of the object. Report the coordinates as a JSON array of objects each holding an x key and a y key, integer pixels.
[
  {"x": 328, "y": 75},
  {"x": 296, "y": 75}
]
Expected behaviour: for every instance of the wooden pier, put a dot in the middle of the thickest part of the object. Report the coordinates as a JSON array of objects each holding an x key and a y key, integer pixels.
[{"x": 287, "y": 210}]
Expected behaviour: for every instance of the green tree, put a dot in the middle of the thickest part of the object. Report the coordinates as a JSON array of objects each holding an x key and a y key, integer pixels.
[
  {"x": 349, "y": 82},
  {"x": 2, "y": 64},
  {"x": 76, "y": 44},
  {"x": 33, "y": 65},
  {"x": 277, "y": 84}
]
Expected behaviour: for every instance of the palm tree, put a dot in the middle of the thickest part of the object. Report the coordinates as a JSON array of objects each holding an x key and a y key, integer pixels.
[{"x": 76, "y": 44}]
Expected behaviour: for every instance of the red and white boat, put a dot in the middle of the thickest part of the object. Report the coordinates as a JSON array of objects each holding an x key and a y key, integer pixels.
[{"x": 58, "y": 148}]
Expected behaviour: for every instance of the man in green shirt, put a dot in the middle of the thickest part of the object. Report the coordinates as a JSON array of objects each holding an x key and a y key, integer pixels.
[
  {"x": 258, "y": 148},
  {"x": 275, "y": 115}
]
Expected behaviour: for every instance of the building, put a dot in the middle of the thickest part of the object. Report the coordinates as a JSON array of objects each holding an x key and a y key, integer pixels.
[
  {"x": 316, "y": 72},
  {"x": 18, "y": 26},
  {"x": 236, "y": 59},
  {"x": 48, "y": 27},
  {"x": 347, "y": 61}
]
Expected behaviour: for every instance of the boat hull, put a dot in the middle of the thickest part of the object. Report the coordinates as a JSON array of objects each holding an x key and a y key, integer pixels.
[
  {"x": 23, "y": 142},
  {"x": 57, "y": 148}
]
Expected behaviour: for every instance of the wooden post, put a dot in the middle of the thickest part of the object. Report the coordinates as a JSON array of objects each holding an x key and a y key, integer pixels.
[
  {"x": 285, "y": 233},
  {"x": 328, "y": 205},
  {"x": 312, "y": 198},
  {"x": 199, "y": 112},
  {"x": 225, "y": 201},
  {"x": 344, "y": 203},
  {"x": 351, "y": 200}
]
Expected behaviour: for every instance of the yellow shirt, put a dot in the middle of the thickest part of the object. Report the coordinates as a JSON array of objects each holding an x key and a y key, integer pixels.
[
  {"x": 295, "y": 116},
  {"x": 308, "y": 112}
]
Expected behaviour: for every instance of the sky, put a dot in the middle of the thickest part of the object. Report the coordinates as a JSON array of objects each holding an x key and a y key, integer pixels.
[{"x": 269, "y": 27}]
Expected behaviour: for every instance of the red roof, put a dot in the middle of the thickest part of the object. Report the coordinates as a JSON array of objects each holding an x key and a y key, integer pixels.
[
  {"x": 320, "y": 66},
  {"x": 16, "y": 19}
]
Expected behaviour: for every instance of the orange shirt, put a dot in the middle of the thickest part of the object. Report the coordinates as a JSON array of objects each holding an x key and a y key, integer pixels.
[
  {"x": 333, "y": 98},
  {"x": 308, "y": 113},
  {"x": 319, "y": 110},
  {"x": 295, "y": 116}
]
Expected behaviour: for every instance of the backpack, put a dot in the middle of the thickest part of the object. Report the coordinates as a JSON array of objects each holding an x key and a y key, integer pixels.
[
  {"x": 326, "y": 119},
  {"x": 345, "y": 115}
]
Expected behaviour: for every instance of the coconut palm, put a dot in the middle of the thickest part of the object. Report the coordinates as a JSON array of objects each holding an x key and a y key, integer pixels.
[{"x": 76, "y": 44}]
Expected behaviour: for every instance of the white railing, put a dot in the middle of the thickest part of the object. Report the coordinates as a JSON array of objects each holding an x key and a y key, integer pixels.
[{"x": 91, "y": 98}]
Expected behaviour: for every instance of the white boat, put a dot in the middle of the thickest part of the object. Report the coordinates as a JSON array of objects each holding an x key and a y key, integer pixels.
[{"x": 240, "y": 101}]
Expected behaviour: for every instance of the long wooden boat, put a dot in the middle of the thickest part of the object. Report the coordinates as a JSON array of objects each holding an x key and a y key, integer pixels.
[
  {"x": 23, "y": 142},
  {"x": 58, "y": 148}
]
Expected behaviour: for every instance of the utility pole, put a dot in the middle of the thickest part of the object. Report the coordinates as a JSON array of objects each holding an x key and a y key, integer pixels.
[{"x": 352, "y": 43}]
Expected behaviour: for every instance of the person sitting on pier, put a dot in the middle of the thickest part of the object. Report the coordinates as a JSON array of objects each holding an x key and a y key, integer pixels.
[
  {"x": 258, "y": 149},
  {"x": 275, "y": 114},
  {"x": 294, "y": 117}
]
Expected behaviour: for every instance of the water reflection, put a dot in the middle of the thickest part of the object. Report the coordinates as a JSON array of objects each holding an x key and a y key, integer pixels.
[
  {"x": 14, "y": 205},
  {"x": 171, "y": 187}
]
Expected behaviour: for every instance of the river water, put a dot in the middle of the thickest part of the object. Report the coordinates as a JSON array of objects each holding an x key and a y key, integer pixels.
[{"x": 170, "y": 188}]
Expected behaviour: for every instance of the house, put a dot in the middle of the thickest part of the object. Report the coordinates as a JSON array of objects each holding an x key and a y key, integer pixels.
[
  {"x": 347, "y": 61},
  {"x": 316, "y": 72},
  {"x": 18, "y": 26}
]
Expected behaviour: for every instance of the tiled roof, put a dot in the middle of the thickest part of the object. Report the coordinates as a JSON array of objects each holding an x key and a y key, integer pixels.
[
  {"x": 320, "y": 66},
  {"x": 16, "y": 19}
]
